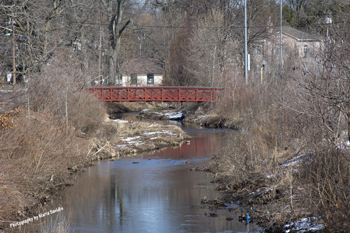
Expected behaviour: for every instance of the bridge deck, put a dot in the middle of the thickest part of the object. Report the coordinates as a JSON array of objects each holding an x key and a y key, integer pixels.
[{"x": 161, "y": 94}]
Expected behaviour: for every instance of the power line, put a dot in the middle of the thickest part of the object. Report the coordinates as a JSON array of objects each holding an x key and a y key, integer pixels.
[
  {"x": 179, "y": 5},
  {"x": 197, "y": 27}
]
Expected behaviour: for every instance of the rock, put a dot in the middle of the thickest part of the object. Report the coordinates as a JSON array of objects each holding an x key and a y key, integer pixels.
[{"x": 212, "y": 215}]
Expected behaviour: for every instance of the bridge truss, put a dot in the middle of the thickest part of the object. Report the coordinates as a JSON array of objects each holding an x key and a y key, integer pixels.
[{"x": 161, "y": 94}]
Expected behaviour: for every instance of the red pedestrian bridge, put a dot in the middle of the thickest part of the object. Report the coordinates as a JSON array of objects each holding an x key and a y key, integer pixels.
[{"x": 161, "y": 94}]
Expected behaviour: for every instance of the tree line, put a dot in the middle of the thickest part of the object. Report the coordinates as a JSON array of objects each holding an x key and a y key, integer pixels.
[{"x": 199, "y": 40}]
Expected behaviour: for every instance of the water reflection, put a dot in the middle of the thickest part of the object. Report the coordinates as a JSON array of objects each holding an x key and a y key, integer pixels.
[
  {"x": 153, "y": 192},
  {"x": 202, "y": 145}
]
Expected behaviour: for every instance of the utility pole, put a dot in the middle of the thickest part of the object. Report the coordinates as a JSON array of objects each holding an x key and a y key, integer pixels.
[
  {"x": 28, "y": 65},
  {"x": 281, "y": 59},
  {"x": 13, "y": 54},
  {"x": 100, "y": 58},
  {"x": 245, "y": 44}
]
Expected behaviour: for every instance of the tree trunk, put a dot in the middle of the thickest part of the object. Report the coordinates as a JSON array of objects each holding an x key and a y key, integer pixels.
[{"x": 116, "y": 30}]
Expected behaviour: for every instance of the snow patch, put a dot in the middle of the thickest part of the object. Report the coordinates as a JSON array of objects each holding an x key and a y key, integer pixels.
[
  {"x": 174, "y": 115},
  {"x": 149, "y": 133},
  {"x": 293, "y": 161},
  {"x": 167, "y": 132},
  {"x": 304, "y": 225},
  {"x": 120, "y": 146},
  {"x": 120, "y": 121},
  {"x": 159, "y": 132},
  {"x": 344, "y": 145},
  {"x": 136, "y": 143},
  {"x": 128, "y": 139}
]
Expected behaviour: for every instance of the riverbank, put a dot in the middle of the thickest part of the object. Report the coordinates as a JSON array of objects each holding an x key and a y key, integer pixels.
[
  {"x": 22, "y": 193},
  {"x": 199, "y": 114},
  {"x": 276, "y": 204}
]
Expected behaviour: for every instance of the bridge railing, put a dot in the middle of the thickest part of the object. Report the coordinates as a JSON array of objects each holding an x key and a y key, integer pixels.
[{"x": 161, "y": 94}]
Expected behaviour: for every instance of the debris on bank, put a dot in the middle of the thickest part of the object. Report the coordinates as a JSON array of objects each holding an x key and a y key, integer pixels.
[
  {"x": 161, "y": 114},
  {"x": 205, "y": 120},
  {"x": 310, "y": 224},
  {"x": 212, "y": 121},
  {"x": 135, "y": 137}
]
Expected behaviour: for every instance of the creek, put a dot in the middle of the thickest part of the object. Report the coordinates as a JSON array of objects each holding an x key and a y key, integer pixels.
[{"x": 152, "y": 192}]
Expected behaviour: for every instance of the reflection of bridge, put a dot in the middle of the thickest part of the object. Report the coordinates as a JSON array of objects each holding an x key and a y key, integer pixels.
[
  {"x": 197, "y": 148},
  {"x": 162, "y": 94}
]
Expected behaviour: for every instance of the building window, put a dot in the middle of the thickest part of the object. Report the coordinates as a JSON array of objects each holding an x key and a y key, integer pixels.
[
  {"x": 133, "y": 79},
  {"x": 150, "y": 79},
  {"x": 306, "y": 49}
]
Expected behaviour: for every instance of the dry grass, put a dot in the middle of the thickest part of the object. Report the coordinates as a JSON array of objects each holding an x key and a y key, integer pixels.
[
  {"x": 263, "y": 140},
  {"x": 38, "y": 146},
  {"x": 32, "y": 152},
  {"x": 326, "y": 178},
  {"x": 281, "y": 121}
]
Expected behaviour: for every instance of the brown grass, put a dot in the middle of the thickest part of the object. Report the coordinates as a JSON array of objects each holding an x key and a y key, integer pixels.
[
  {"x": 281, "y": 121},
  {"x": 39, "y": 148}
]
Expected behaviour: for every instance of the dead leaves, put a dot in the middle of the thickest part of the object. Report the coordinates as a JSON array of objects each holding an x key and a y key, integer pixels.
[{"x": 7, "y": 120}]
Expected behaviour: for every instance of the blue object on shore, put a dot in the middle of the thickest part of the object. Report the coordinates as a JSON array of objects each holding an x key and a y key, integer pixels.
[{"x": 247, "y": 218}]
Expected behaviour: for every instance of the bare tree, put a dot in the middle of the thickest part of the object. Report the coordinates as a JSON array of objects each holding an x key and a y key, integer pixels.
[
  {"x": 115, "y": 10},
  {"x": 208, "y": 51}
]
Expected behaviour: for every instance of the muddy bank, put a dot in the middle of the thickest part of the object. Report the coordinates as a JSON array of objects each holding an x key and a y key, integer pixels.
[
  {"x": 212, "y": 120},
  {"x": 275, "y": 206},
  {"x": 116, "y": 138}
]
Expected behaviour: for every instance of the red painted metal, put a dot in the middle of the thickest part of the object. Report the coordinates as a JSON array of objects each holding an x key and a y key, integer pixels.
[{"x": 161, "y": 94}]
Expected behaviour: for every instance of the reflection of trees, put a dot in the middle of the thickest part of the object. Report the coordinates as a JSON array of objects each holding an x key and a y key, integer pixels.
[
  {"x": 114, "y": 202},
  {"x": 97, "y": 197},
  {"x": 117, "y": 198}
]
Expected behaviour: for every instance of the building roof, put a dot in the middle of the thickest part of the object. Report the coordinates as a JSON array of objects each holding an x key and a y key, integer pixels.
[
  {"x": 143, "y": 66},
  {"x": 299, "y": 35}
]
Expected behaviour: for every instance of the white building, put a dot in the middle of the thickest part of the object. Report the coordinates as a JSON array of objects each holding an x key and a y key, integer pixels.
[{"x": 142, "y": 72}]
